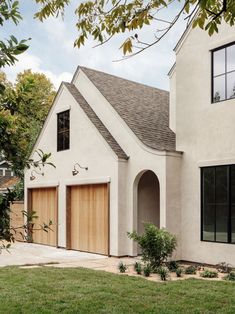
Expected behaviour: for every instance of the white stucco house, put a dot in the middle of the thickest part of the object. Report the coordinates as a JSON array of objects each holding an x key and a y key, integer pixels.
[
  {"x": 126, "y": 153},
  {"x": 116, "y": 164}
]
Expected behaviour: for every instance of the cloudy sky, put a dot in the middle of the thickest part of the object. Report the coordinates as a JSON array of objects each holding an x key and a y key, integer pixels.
[{"x": 51, "y": 50}]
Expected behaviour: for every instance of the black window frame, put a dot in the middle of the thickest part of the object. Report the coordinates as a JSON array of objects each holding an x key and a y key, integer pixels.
[
  {"x": 64, "y": 131},
  {"x": 229, "y": 222},
  {"x": 212, "y": 72}
]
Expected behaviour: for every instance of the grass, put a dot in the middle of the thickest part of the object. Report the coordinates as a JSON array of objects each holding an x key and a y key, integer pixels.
[{"x": 57, "y": 290}]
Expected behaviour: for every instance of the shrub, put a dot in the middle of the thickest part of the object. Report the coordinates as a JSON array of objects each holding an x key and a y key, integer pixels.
[
  {"x": 138, "y": 268},
  {"x": 209, "y": 274},
  {"x": 147, "y": 270},
  {"x": 179, "y": 272},
  {"x": 122, "y": 267},
  {"x": 230, "y": 276},
  {"x": 190, "y": 270},
  {"x": 224, "y": 267},
  {"x": 172, "y": 266},
  {"x": 163, "y": 273},
  {"x": 156, "y": 244}
]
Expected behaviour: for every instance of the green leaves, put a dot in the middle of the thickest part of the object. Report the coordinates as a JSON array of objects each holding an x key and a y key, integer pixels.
[
  {"x": 101, "y": 20},
  {"x": 127, "y": 46},
  {"x": 10, "y": 49}
]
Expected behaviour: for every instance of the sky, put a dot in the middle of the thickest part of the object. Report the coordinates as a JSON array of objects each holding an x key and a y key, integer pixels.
[{"x": 52, "y": 52}]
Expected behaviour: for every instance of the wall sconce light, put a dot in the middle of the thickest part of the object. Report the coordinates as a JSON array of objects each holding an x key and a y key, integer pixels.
[
  {"x": 76, "y": 171},
  {"x": 32, "y": 176}
]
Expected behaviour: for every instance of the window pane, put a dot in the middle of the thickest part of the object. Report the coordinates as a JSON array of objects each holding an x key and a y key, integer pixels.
[
  {"x": 222, "y": 203},
  {"x": 219, "y": 88},
  {"x": 232, "y": 180},
  {"x": 219, "y": 62},
  {"x": 8, "y": 173},
  {"x": 231, "y": 58},
  {"x": 1, "y": 172},
  {"x": 63, "y": 131},
  {"x": 208, "y": 204},
  {"x": 231, "y": 85}
]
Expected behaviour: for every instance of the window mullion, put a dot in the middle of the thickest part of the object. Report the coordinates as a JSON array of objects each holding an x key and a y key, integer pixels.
[{"x": 215, "y": 205}]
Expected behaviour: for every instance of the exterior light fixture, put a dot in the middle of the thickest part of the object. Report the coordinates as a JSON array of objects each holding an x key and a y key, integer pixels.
[
  {"x": 32, "y": 176},
  {"x": 76, "y": 171}
]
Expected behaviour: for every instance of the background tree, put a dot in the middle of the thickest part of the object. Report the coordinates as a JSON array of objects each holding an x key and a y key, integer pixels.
[
  {"x": 24, "y": 107},
  {"x": 104, "y": 19},
  {"x": 13, "y": 131}
]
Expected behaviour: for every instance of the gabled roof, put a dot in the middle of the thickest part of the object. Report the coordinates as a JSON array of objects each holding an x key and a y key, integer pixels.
[
  {"x": 96, "y": 121},
  {"x": 145, "y": 109}
]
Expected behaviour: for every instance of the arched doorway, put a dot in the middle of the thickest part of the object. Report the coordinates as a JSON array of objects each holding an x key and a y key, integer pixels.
[{"x": 148, "y": 200}]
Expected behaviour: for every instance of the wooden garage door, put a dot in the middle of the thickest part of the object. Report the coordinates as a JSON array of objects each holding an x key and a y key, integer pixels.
[
  {"x": 44, "y": 203},
  {"x": 89, "y": 219}
]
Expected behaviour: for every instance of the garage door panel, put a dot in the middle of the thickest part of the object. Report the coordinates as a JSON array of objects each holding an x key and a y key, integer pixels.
[
  {"x": 44, "y": 203},
  {"x": 89, "y": 218}
]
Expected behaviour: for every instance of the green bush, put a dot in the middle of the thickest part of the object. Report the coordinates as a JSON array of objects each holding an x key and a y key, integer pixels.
[
  {"x": 138, "y": 268},
  {"x": 156, "y": 244},
  {"x": 172, "y": 266},
  {"x": 230, "y": 276},
  {"x": 147, "y": 270},
  {"x": 122, "y": 267},
  {"x": 190, "y": 270},
  {"x": 209, "y": 274},
  {"x": 163, "y": 273},
  {"x": 179, "y": 271}
]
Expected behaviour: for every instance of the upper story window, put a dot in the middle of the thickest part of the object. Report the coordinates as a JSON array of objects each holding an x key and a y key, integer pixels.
[
  {"x": 63, "y": 125},
  {"x": 223, "y": 73}
]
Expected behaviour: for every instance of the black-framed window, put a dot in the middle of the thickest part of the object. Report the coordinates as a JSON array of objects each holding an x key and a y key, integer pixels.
[
  {"x": 218, "y": 204},
  {"x": 223, "y": 73},
  {"x": 63, "y": 126}
]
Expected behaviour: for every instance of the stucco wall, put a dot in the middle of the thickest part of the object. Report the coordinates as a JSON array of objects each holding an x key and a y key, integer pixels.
[
  {"x": 205, "y": 133},
  {"x": 87, "y": 148}
]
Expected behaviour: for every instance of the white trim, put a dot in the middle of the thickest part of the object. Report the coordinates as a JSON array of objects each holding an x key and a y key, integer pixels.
[
  {"x": 88, "y": 181},
  {"x": 216, "y": 162},
  {"x": 65, "y": 108},
  {"x": 222, "y": 42},
  {"x": 47, "y": 184},
  {"x": 47, "y": 118}
]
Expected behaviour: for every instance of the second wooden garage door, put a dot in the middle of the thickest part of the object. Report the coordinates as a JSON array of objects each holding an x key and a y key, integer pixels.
[
  {"x": 89, "y": 226},
  {"x": 44, "y": 203}
]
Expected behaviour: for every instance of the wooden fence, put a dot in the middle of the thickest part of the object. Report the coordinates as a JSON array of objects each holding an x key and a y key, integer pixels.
[{"x": 17, "y": 219}]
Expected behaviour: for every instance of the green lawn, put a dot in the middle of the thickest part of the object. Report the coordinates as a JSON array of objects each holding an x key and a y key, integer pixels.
[{"x": 55, "y": 290}]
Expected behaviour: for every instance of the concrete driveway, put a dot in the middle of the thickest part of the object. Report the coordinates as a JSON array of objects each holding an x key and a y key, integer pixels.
[{"x": 30, "y": 254}]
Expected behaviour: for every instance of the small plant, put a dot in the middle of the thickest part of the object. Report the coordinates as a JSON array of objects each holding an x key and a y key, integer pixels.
[
  {"x": 122, "y": 267},
  {"x": 179, "y": 271},
  {"x": 172, "y": 266},
  {"x": 209, "y": 274},
  {"x": 230, "y": 276},
  {"x": 138, "y": 268},
  {"x": 147, "y": 270},
  {"x": 156, "y": 244},
  {"x": 190, "y": 270},
  {"x": 163, "y": 273},
  {"x": 224, "y": 267}
]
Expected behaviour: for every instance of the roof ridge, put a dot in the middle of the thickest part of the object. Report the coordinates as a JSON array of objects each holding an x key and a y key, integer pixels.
[{"x": 124, "y": 79}]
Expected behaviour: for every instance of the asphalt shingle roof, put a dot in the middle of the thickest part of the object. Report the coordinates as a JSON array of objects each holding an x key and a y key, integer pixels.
[
  {"x": 96, "y": 121},
  {"x": 145, "y": 109}
]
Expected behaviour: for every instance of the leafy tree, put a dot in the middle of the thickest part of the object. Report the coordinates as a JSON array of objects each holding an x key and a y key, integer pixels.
[
  {"x": 104, "y": 19},
  {"x": 14, "y": 101}
]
